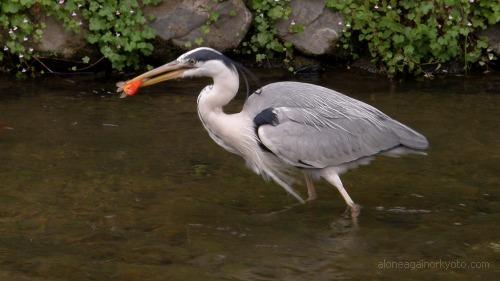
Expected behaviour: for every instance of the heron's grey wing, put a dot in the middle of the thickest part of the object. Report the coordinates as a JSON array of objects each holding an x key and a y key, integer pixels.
[{"x": 311, "y": 126}]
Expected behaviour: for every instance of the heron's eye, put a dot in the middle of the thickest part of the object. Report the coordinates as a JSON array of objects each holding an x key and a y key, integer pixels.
[{"x": 191, "y": 61}]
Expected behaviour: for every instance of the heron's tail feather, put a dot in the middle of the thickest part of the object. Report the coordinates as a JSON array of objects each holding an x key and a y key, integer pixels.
[
  {"x": 287, "y": 187},
  {"x": 409, "y": 137},
  {"x": 270, "y": 168}
]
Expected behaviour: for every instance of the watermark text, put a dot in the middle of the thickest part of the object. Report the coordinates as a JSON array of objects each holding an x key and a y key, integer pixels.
[{"x": 440, "y": 264}]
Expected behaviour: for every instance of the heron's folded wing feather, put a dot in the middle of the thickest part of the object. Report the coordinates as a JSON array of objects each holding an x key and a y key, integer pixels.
[
  {"x": 322, "y": 127},
  {"x": 304, "y": 138}
]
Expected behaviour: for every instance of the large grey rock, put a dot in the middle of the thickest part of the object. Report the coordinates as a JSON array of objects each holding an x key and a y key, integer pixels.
[
  {"x": 493, "y": 35},
  {"x": 322, "y": 27},
  {"x": 181, "y": 22},
  {"x": 58, "y": 41}
]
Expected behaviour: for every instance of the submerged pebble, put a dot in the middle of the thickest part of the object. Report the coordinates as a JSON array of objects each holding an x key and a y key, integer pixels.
[
  {"x": 408, "y": 211},
  {"x": 110, "y": 125}
]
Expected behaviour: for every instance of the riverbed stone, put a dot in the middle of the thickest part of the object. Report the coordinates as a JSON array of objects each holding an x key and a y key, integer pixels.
[
  {"x": 181, "y": 23},
  {"x": 58, "y": 41},
  {"x": 493, "y": 35},
  {"x": 321, "y": 27}
]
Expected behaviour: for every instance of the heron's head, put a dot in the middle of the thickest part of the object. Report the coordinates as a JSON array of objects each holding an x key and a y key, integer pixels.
[{"x": 200, "y": 62}]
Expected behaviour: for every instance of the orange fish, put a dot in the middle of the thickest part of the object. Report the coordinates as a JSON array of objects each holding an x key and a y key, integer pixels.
[{"x": 129, "y": 88}]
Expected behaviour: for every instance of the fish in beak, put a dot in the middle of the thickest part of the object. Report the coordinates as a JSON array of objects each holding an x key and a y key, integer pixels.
[{"x": 169, "y": 71}]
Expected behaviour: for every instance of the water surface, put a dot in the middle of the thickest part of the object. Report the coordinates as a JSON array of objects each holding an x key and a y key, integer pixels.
[{"x": 93, "y": 187}]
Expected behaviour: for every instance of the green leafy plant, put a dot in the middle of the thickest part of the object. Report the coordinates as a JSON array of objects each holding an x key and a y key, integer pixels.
[
  {"x": 403, "y": 36},
  {"x": 213, "y": 17},
  {"x": 117, "y": 27},
  {"x": 18, "y": 32},
  {"x": 264, "y": 42}
]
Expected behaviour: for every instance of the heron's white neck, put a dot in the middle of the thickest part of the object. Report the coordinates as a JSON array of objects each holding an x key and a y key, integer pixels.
[
  {"x": 224, "y": 89},
  {"x": 222, "y": 128}
]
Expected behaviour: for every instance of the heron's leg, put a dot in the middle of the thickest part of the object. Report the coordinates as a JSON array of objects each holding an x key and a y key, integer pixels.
[
  {"x": 334, "y": 179},
  {"x": 311, "y": 190}
]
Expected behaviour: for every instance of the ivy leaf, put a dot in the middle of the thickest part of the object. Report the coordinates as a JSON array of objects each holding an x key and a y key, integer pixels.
[
  {"x": 408, "y": 50},
  {"x": 426, "y": 7},
  {"x": 276, "y": 13},
  {"x": 96, "y": 24},
  {"x": 214, "y": 16},
  {"x": 398, "y": 38},
  {"x": 10, "y": 7},
  {"x": 199, "y": 41},
  {"x": 205, "y": 29}
]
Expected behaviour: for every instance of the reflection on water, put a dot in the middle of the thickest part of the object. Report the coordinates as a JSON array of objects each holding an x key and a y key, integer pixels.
[{"x": 93, "y": 187}]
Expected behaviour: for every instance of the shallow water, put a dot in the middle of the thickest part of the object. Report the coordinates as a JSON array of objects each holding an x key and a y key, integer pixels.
[{"x": 93, "y": 187}]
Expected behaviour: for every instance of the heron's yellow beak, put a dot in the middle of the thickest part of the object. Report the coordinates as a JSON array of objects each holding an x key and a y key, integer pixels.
[{"x": 165, "y": 72}]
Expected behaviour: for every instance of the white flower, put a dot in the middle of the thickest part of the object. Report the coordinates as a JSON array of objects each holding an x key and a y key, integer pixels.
[
  {"x": 340, "y": 23},
  {"x": 25, "y": 39},
  {"x": 10, "y": 31},
  {"x": 117, "y": 13},
  {"x": 80, "y": 23},
  {"x": 348, "y": 25},
  {"x": 132, "y": 11},
  {"x": 30, "y": 50},
  {"x": 118, "y": 34},
  {"x": 469, "y": 24},
  {"x": 389, "y": 7},
  {"x": 450, "y": 17},
  {"x": 14, "y": 28},
  {"x": 80, "y": 5},
  {"x": 21, "y": 56},
  {"x": 5, "y": 48},
  {"x": 61, "y": 2},
  {"x": 471, "y": 1},
  {"x": 23, "y": 70},
  {"x": 73, "y": 14},
  {"x": 376, "y": 7},
  {"x": 25, "y": 20},
  {"x": 293, "y": 22}
]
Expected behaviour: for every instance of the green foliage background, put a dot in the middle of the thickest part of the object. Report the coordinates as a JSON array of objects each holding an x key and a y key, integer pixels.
[
  {"x": 117, "y": 27},
  {"x": 264, "y": 42},
  {"x": 404, "y": 35},
  {"x": 401, "y": 36}
]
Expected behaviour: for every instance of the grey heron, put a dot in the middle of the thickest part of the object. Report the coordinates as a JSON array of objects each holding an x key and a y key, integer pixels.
[{"x": 286, "y": 126}]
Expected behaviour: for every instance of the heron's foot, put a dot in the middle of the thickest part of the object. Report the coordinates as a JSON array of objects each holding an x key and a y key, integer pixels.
[
  {"x": 353, "y": 210},
  {"x": 311, "y": 197}
]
